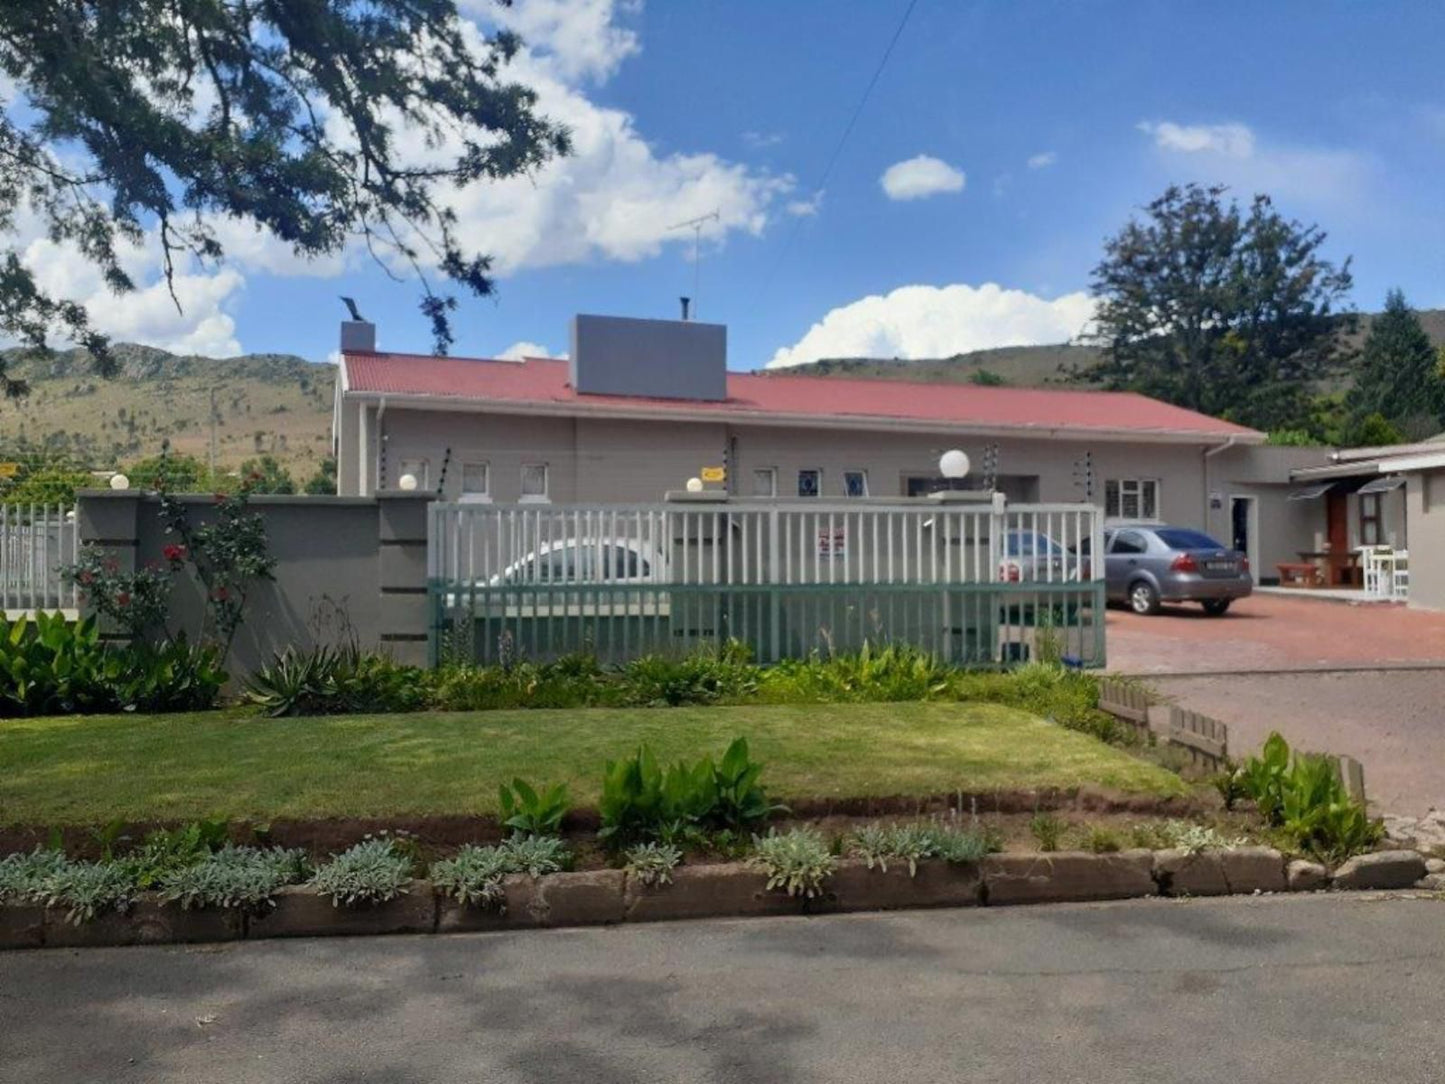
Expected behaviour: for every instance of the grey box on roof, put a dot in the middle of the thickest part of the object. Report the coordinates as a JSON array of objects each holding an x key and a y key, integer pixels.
[{"x": 658, "y": 359}]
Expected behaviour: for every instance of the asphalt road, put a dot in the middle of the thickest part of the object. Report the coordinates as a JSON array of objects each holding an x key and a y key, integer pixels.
[{"x": 1277, "y": 989}]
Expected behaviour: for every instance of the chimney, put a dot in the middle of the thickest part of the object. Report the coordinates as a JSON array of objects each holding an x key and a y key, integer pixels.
[
  {"x": 358, "y": 337},
  {"x": 686, "y": 301}
]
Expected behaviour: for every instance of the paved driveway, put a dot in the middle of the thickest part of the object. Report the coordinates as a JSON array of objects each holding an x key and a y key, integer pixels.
[
  {"x": 1268, "y": 990},
  {"x": 1273, "y": 632},
  {"x": 1293, "y": 665}
]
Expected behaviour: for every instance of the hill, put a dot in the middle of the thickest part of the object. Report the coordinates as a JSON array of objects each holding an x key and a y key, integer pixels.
[
  {"x": 263, "y": 403},
  {"x": 1026, "y": 366}
]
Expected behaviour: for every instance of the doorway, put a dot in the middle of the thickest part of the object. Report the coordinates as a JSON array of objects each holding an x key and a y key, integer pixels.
[{"x": 1244, "y": 530}]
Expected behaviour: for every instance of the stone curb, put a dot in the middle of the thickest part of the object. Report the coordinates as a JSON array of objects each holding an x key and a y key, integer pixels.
[{"x": 604, "y": 897}]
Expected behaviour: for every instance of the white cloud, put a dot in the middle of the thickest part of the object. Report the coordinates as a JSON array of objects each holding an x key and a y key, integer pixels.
[
  {"x": 917, "y": 178},
  {"x": 761, "y": 140},
  {"x": 576, "y": 39},
  {"x": 1234, "y": 155},
  {"x": 1042, "y": 160},
  {"x": 524, "y": 349},
  {"x": 939, "y": 321},
  {"x": 805, "y": 208},
  {"x": 1234, "y": 140}
]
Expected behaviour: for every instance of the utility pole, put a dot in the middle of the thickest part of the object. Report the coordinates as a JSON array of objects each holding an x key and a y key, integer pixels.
[{"x": 696, "y": 224}]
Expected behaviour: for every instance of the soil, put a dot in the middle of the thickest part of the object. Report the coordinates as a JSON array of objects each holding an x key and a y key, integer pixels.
[{"x": 1007, "y": 812}]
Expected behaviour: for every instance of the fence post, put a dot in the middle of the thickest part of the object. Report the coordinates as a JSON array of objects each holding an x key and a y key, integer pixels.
[{"x": 110, "y": 520}]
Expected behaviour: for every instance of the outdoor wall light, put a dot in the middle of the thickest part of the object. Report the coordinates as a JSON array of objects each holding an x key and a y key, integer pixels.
[
  {"x": 119, "y": 482},
  {"x": 953, "y": 464},
  {"x": 407, "y": 482},
  {"x": 694, "y": 485}
]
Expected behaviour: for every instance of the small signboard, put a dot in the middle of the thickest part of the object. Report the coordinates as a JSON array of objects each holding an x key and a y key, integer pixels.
[
  {"x": 714, "y": 474},
  {"x": 832, "y": 543},
  {"x": 9, "y": 470}
]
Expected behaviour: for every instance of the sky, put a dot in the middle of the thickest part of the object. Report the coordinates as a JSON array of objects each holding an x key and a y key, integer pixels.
[{"x": 1001, "y": 144}]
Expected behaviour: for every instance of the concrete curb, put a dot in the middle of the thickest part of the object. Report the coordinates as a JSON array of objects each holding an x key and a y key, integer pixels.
[{"x": 732, "y": 890}]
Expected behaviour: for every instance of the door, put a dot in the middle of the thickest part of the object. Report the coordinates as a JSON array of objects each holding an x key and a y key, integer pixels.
[
  {"x": 1337, "y": 532},
  {"x": 1243, "y": 523}
]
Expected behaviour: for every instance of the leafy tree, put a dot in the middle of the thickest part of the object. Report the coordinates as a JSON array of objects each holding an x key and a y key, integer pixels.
[
  {"x": 266, "y": 475},
  {"x": 1292, "y": 438},
  {"x": 1218, "y": 309},
  {"x": 181, "y": 473},
  {"x": 1371, "y": 431},
  {"x": 55, "y": 484},
  {"x": 986, "y": 378},
  {"x": 323, "y": 482},
  {"x": 1399, "y": 375},
  {"x": 296, "y": 116}
]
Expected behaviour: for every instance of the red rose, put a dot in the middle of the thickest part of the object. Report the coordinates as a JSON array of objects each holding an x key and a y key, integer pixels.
[
  {"x": 219, "y": 594},
  {"x": 174, "y": 552},
  {"x": 86, "y": 576},
  {"x": 123, "y": 599}
]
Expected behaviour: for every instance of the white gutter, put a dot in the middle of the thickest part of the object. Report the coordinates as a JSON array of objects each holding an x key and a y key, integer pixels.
[
  {"x": 380, "y": 445},
  {"x": 1210, "y": 453},
  {"x": 807, "y": 421}
]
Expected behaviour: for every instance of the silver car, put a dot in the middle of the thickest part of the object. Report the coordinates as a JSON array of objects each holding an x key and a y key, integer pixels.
[{"x": 1149, "y": 565}]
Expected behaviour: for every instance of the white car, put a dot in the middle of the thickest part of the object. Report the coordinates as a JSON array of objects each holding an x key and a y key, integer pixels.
[{"x": 582, "y": 575}]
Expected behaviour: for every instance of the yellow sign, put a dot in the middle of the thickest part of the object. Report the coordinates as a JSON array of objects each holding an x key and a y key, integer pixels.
[
  {"x": 714, "y": 474},
  {"x": 9, "y": 470}
]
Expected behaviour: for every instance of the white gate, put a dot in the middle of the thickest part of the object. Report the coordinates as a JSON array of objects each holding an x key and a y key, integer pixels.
[{"x": 36, "y": 542}]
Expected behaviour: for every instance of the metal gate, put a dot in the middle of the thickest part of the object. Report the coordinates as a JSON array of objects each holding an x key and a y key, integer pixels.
[
  {"x": 973, "y": 582},
  {"x": 36, "y": 542}
]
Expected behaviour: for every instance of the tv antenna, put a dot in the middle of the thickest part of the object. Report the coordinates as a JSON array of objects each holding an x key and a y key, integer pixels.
[{"x": 696, "y": 224}]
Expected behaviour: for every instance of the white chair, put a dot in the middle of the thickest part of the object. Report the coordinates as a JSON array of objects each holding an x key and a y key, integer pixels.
[
  {"x": 1400, "y": 575},
  {"x": 1373, "y": 565}
]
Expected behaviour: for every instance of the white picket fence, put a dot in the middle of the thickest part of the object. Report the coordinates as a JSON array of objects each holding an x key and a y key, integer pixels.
[{"x": 36, "y": 542}]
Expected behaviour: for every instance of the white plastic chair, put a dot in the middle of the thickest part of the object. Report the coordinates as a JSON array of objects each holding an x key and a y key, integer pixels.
[
  {"x": 1400, "y": 574},
  {"x": 1372, "y": 563}
]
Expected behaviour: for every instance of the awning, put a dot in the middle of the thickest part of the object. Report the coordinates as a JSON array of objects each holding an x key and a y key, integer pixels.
[
  {"x": 1383, "y": 485},
  {"x": 1309, "y": 493}
]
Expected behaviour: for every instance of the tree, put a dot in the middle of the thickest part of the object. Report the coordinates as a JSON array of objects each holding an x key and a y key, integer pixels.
[
  {"x": 1371, "y": 431},
  {"x": 266, "y": 475},
  {"x": 1220, "y": 310},
  {"x": 325, "y": 123},
  {"x": 323, "y": 482},
  {"x": 1399, "y": 375},
  {"x": 179, "y": 473}
]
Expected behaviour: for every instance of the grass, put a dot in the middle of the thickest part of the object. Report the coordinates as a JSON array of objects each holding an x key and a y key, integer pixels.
[{"x": 93, "y": 769}]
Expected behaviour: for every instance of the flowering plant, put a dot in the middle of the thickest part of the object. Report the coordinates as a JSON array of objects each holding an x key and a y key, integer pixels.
[{"x": 136, "y": 601}]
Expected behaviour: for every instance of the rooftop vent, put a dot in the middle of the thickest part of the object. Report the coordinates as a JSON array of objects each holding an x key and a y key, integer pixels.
[{"x": 655, "y": 359}]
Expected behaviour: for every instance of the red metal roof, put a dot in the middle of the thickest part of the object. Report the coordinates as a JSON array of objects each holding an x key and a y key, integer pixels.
[{"x": 542, "y": 383}]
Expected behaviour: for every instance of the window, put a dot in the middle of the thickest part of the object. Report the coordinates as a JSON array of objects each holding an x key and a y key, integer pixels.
[
  {"x": 1181, "y": 538},
  {"x": 810, "y": 483},
  {"x": 1370, "y": 519},
  {"x": 1129, "y": 542},
  {"x": 855, "y": 483},
  {"x": 1131, "y": 498},
  {"x": 475, "y": 482},
  {"x": 765, "y": 482},
  {"x": 534, "y": 482},
  {"x": 417, "y": 468}
]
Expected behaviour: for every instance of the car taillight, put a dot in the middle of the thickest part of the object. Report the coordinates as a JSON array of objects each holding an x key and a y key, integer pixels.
[
  {"x": 1244, "y": 564},
  {"x": 1184, "y": 563}
]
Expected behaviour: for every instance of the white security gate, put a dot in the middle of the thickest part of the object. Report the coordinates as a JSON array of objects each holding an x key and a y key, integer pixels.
[{"x": 36, "y": 542}]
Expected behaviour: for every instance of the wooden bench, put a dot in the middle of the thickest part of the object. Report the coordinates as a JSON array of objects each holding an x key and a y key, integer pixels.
[{"x": 1300, "y": 575}]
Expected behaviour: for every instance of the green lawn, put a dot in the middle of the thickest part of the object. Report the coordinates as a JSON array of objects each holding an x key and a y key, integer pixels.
[{"x": 90, "y": 770}]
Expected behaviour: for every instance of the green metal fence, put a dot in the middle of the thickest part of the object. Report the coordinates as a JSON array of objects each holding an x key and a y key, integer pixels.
[{"x": 976, "y": 582}]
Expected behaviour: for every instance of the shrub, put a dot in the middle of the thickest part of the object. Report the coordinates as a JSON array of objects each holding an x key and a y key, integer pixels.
[
  {"x": 911, "y": 843},
  {"x": 702, "y": 677},
  {"x": 528, "y": 812},
  {"x": 653, "y": 863},
  {"x": 473, "y": 876},
  {"x": 239, "y": 877},
  {"x": 873, "y": 674},
  {"x": 798, "y": 861},
  {"x": 641, "y": 800},
  {"x": 1047, "y": 830},
  {"x": 21, "y": 875},
  {"x": 330, "y": 681},
  {"x": 86, "y": 889},
  {"x": 1069, "y": 698},
  {"x": 1102, "y": 840},
  {"x": 167, "y": 850},
  {"x": 1303, "y": 795},
  {"x": 50, "y": 666},
  {"x": 373, "y": 871}
]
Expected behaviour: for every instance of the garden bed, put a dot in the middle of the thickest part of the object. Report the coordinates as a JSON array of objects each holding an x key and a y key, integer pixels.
[{"x": 598, "y": 897}]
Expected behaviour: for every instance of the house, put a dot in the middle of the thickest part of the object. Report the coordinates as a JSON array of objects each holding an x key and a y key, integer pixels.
[
  {"x": 641, "y": 406},
  {"x": 1390, "y": 496}
]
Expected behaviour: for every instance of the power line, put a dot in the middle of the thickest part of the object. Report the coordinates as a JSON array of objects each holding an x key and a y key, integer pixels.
[{"x": 843, "y": 139}]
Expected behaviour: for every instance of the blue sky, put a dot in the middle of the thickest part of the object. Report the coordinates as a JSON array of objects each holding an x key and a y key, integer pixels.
[{"x": 1060, "y": 118}]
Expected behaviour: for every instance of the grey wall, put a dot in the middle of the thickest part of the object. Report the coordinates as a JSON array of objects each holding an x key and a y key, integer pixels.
[
  {"x": 1425, "y": 507},
  {"x": 659, "y": 359},
  {"x": 346, "y": 569}
]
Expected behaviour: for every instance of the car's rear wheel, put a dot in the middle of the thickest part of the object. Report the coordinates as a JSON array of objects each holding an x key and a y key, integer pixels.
[
  {"x": 1143, "y": 597},
  {"x": 1216, "y": 607}
]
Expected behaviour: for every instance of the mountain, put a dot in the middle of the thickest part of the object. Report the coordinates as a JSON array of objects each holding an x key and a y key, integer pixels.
[
  {"x": 264, "y": 403},
  {"x": 1026, "y": 366}
]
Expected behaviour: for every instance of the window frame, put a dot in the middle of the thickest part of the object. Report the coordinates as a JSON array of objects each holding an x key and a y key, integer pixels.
[
  {"x": 1373, "y": 522},
  {"x": 482, "y": 496},
  {"x": 772, "y": 474},
  {"x": 1135, "y": 487},
  {"x": 545, "y": 497},
  {"x": 863, "y": 475},
  {"x": 818, "y": 484}
]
